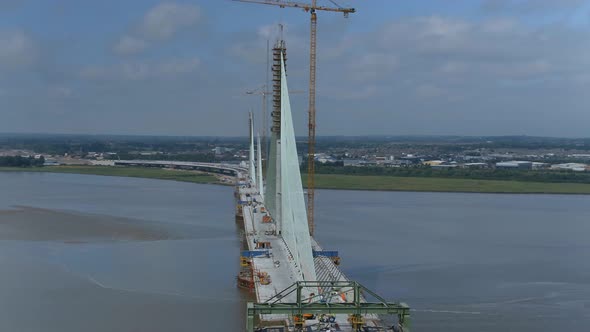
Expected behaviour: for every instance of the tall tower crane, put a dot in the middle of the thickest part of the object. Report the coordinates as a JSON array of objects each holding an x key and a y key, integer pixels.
[{"x": 311, "y": 8}]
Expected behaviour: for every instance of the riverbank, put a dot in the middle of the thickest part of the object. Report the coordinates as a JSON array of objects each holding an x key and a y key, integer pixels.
[
  {"x": 394, "y": 183},
  {"x": 136, "y": 172},
  {"x": 338, "y": 181}
]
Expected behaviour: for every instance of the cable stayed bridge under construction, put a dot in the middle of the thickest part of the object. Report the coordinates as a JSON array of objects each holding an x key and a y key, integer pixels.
[{"x": 296, "y": 285}]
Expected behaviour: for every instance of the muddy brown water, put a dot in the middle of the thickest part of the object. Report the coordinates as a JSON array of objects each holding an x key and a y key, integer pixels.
[{"x": 94, "y": 253}]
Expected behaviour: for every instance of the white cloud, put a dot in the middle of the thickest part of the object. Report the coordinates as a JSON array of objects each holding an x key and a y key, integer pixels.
[
  {"x": 160, "y": 23},
  {"x": 141, "y": 70},
  {"x": 531, "y": 6},
  {"x": 449, "y": 59},
  {"x": 16, "y": 49},
  {"x": 176, "y": 67},
  {"x": 253, "y": 50},
  {"x": 496, "y": 49},
  {"x": 129, "y": 45},
  {"x": 440, "y": 27},
  {"x": 500, "y": 25},
  {"x": 267, "y": 31},
  {"x": 165, "y": 19},
  {"x": 373, "y": 66},
  {"x": 401, "y": 70},
  {"x": 453, "y": 67}
]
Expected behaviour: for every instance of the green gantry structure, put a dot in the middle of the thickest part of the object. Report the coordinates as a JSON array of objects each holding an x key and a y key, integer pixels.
[{"x": 358, "y": 307}]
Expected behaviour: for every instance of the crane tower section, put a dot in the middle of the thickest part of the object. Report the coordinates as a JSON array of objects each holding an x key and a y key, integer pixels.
[
  {"x": 277, "y": 50},
  {"x": 273, "y": 161}
]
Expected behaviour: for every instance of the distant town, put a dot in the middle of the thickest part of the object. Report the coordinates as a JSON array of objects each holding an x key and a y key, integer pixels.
[{"x": 436, "y": 153}]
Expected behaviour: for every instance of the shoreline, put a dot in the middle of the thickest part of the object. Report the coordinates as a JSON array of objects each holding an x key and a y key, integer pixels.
[
  {"x": 458, "y": 192},
  {"x": 122, "y": 171},
  {"x": 335, "y": 181},
  {"x": 451, "y": 185}
]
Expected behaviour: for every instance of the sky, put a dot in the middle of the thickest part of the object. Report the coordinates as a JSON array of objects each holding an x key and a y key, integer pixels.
[{"x": 395, "y": 67}]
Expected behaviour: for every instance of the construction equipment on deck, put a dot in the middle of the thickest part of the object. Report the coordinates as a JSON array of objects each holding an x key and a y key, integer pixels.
[
  {"x": 311, "y": 8},
  {"x": 333, "y": 255}
]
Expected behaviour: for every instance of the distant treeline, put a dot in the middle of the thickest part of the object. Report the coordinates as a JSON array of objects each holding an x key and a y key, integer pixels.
[
  {"x": 80, "y": 145},
  {"x": 18, "y": 161},
  {"x": 462, "y": 173},
  {"x": 196, "y": 157}
]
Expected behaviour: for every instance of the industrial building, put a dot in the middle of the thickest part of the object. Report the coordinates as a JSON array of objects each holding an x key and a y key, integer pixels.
[
  {"x": 515, "y": 164},
  {"x": 576, "y": 167}
]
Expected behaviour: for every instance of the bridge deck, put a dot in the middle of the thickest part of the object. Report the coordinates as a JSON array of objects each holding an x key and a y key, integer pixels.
[
  {"x": 209, "y": 167},
  {"x": 278, "y": 264}
]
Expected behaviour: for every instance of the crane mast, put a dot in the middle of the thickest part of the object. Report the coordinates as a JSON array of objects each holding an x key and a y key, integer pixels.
[
  {"x": 311, "y": 8},
  {"x": 311, "y": 125}
]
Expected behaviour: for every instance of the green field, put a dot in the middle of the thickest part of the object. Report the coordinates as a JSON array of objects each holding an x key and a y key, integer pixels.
[
  {"x": 136, "y": 172},
  {"x": 391, "y": 183},
  {"x": 337, "y": 181}
]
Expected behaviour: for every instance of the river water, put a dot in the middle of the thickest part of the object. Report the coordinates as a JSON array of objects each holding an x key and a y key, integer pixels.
[{"x": 93, "y": 253}]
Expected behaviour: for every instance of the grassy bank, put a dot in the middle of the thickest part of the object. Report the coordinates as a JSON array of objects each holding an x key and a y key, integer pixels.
[
  {"x": 136, "y": 172},
  {"x": 392, "y": 183},
  {"x": 338, "y": 181}
]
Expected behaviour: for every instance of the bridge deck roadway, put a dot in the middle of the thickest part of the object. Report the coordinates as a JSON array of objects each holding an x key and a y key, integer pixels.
[
  {"x": 279, "y": 264},
  {"x": 217, "y": 167}
]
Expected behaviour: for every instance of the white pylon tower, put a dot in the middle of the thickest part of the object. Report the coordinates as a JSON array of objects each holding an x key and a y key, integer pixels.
[
  {"x": 259, "y": 166},
  {"x": 251, "y": 166}
]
